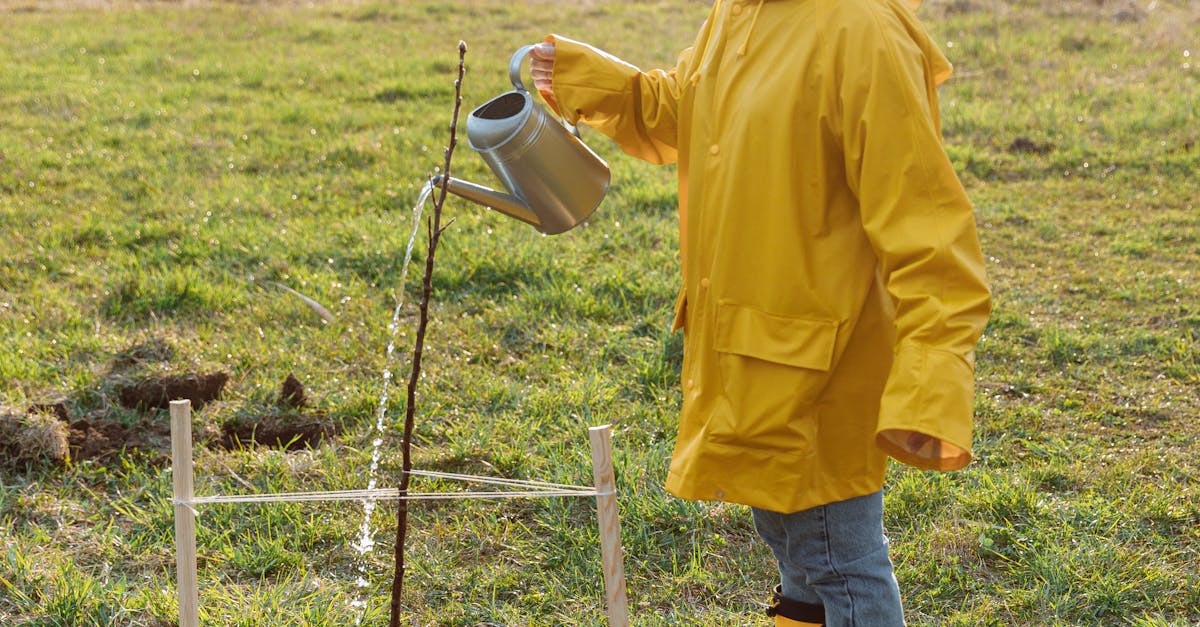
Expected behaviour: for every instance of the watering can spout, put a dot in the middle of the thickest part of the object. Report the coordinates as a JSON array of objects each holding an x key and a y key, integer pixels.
[{"x": 504, "y": 203}]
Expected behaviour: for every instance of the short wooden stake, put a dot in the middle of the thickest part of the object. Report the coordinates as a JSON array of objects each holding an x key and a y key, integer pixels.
[
  {"x": 185, "y": 516},
  {"x": 615, "y": 595}
]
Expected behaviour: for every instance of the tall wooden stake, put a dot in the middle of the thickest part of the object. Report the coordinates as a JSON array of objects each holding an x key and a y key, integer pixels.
[
  {"x": 185, "y": 517},
  {"x": 435, "y": 231},
  {"x": 615, "y": 595}
]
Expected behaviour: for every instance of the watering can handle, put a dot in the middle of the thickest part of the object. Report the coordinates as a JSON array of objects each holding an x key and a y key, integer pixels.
[
  {"x": 514, "y": 66},
  {"x": 514, "y": 74}
]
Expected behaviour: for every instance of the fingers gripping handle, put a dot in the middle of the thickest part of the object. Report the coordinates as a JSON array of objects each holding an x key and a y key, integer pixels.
[
  {"x": 514, "y": 66},
  {"x": 514, "y": 75}
]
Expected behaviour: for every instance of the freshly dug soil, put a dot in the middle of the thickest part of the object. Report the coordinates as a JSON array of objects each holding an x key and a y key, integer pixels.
[
  {"x": 158, "y": 392},
  {"x": 105, "y": 440},
  {"x": 33, "y": 438},
  {"x": 290, "y": 431},
  {"x": 292, "y": 393},
  {"x": 46, "y": 433}
]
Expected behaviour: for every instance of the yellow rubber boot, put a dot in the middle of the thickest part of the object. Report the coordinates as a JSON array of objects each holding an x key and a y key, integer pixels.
[
  {"x": 789, "y": 613},
  {"x": 781, "y": 621}
]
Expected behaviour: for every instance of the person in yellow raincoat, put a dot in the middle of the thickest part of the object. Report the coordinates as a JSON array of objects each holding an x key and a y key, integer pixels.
[{"x": 833, "y": 286}]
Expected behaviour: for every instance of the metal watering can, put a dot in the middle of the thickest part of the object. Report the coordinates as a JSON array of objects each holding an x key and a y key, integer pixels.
[{"x": 555, "y": 180}]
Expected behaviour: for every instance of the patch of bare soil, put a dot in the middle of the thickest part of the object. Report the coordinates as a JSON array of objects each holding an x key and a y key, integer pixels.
[
  {"x": 292, "y": 393},
  {"x": 289, "y": 431},
  {"x": 47, "y": 434},
  {"x": 105, "y": 440},
  {"x": 1028, "y": 146},
  {"x": 33, "y": 438},
  {"x": 158, "y": 392}
]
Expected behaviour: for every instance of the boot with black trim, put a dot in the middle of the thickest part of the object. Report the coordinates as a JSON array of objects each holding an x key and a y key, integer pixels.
[{"x": 789, "y": 613}]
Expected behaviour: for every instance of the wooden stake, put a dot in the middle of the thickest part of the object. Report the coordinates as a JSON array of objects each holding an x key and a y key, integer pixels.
[
  {"x": 615, "y": 595},
  {"x": 185, "y": 516}
]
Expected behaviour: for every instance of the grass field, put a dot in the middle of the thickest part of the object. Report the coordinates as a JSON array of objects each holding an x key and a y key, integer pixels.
[{"x": 165, "y": 167}]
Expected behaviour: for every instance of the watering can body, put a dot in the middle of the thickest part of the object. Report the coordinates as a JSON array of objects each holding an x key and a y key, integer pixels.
[{"x": 554, "y": 180}]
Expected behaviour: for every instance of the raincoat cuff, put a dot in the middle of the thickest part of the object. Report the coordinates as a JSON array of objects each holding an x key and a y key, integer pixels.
[
  {"x": 587, "y": 79},
  {"x": 926, "y": 415}
]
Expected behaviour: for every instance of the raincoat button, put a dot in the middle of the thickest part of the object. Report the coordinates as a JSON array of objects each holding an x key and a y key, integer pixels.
[
  {"x": 714, "y": 149},
  {"x": 691, "y": 384},
  {"x": 720, "y": 494},
  {"x": 736, "y": 10},
  {"x": 705, "y": 282}
]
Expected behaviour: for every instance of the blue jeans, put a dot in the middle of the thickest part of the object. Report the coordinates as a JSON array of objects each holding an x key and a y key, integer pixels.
[{"x": 836, "y": 555}]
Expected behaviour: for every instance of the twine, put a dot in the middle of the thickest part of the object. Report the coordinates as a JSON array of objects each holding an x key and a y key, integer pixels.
[{"x": 532, "y": 489}]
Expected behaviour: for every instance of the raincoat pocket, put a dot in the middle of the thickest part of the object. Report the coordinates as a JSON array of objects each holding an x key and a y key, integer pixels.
[
  {"x": 791, "y": 341},
  {"x": 773, "y": 368}
]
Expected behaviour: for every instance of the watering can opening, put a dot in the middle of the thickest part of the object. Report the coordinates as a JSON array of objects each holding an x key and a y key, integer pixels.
[
  {"x": 495, "y": 122},
  {"x": 501, "y": 107}
]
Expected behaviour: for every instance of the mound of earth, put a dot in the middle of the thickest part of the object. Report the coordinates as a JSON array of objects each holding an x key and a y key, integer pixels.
[
  {"x": 158, "y": 392},
  {"x": 289, "y": 431},
  {"x": 105, "y": 439},
  {"x": 46, "y": 433},
  {"x": 32, "y": 438}
]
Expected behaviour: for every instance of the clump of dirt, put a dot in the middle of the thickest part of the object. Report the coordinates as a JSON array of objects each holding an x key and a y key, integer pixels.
[
  {"x": 58, "y": 409},
  {"x": 158, "y": 392},
  {"x": 47, "y": 433},
  {"x": 105, "y": 439},
  {"x": 46, "y": 436},
  {"x": 961, "y": 7},
  {"x": 290, "y": 431},
  {"x": 33, "y": 438},
  {"x": 292, "y": 393},
  {"x": 1024, "y": 145}
]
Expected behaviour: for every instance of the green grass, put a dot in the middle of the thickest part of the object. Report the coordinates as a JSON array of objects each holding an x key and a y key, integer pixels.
[{"x": 162, "y": 165}]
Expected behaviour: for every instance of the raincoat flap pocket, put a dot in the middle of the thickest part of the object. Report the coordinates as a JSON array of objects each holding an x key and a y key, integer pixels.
[{"x": 792, "y": 341}]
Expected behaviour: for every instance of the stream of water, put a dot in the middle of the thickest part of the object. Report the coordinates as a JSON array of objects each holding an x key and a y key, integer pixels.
[{"x": 366, "y": 539}]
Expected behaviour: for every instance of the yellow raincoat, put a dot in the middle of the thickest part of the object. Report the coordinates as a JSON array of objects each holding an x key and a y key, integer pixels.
[{"x": 833, "y": 286}]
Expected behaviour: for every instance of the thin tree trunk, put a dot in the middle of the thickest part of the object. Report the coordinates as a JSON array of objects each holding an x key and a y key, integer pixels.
[{"x": 434, "y": 229}]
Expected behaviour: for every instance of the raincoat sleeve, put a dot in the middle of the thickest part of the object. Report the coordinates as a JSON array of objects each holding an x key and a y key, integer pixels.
[
  {"x": 637, "y": 109},
  {"x": 922, "y": 227}
]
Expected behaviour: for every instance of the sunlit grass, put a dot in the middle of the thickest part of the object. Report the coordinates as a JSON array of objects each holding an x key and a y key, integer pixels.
[{"x": 163, "y": 168}]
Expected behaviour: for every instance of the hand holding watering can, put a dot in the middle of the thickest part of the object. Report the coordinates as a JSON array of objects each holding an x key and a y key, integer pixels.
[
  {"x": 555, "y": 180},
  {"x": 541, "y": 67}
]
